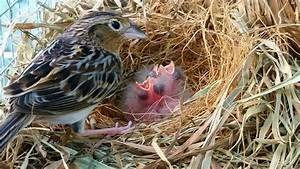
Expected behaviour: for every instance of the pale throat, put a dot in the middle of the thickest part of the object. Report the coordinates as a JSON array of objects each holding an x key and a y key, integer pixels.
[{"x": 112, "y": 45}]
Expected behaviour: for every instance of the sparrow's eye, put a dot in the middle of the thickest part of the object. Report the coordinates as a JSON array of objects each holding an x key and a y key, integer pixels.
[{"x": 115, "y": 25}]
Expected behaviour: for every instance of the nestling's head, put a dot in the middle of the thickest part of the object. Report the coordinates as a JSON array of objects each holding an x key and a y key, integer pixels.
[
  {"x": 106, "y": 29},
  {"x": 157, "y": 95}
]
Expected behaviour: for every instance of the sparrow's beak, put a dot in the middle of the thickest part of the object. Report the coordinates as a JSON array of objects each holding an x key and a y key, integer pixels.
[{"x": 133, "y": 32}]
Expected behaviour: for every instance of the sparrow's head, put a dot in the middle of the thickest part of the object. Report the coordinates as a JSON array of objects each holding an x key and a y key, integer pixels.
[{"x": 106, "y": 29}]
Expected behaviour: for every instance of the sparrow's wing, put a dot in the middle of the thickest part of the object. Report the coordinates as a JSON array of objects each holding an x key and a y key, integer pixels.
[{"x": 64, "y": 78}]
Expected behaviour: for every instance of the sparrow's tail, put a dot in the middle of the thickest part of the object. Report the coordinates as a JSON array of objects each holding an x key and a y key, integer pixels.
[{"x": 11, "y": 126}]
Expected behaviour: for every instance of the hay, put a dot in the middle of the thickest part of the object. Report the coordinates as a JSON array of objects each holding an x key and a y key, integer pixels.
[{"x": 242, "y": 61}]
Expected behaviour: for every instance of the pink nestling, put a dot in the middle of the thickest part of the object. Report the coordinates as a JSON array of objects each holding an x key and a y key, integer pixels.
[{"x": 155, "y": 97}]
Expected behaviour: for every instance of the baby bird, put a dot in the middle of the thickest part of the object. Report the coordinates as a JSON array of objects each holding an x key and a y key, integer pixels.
[
  {"x": 67, "y": 80},
  {"x": 157, "y": 96}
]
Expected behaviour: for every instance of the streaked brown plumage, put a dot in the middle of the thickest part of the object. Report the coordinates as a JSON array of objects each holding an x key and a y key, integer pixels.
[{"x": 74, "y": 73}]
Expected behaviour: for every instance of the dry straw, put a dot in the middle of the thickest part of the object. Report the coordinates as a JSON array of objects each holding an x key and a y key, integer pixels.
[{"x": 241, "y": 59}]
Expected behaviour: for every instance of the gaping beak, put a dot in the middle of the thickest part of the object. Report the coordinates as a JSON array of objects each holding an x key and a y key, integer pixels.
[{"x": 133, "y": 32}]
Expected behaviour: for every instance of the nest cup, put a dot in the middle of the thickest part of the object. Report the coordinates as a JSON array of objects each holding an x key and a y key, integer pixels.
[{"x": 242, "y": 64}]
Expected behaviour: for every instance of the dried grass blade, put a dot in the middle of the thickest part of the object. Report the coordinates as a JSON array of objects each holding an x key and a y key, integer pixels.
[
  {"x": 60, "y": 153},
  {"x": 276, "y": 156},
  {"x": 144, "y": 148},
  {"x": 26, "y": 160},
  {"x": 294, "y": 79},
  {"x": 160, "y": 153}
]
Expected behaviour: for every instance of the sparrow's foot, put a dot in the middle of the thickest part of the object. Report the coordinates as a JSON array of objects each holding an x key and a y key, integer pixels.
[{"x": 109, "y": 131}]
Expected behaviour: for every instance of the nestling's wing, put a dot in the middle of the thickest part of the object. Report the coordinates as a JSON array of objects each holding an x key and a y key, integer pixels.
[{"x": 64, "y": 78}]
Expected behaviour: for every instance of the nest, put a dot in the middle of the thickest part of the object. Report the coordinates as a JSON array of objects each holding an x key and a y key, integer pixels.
[{"x": 241, "y": 59}]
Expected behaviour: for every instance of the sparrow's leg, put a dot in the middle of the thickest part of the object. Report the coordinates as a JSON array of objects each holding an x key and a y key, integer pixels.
[{"x": 79, "y": 128}]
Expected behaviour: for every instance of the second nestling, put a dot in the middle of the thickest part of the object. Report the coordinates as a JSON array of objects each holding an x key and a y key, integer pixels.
[{"x": 156, "y": 94}]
